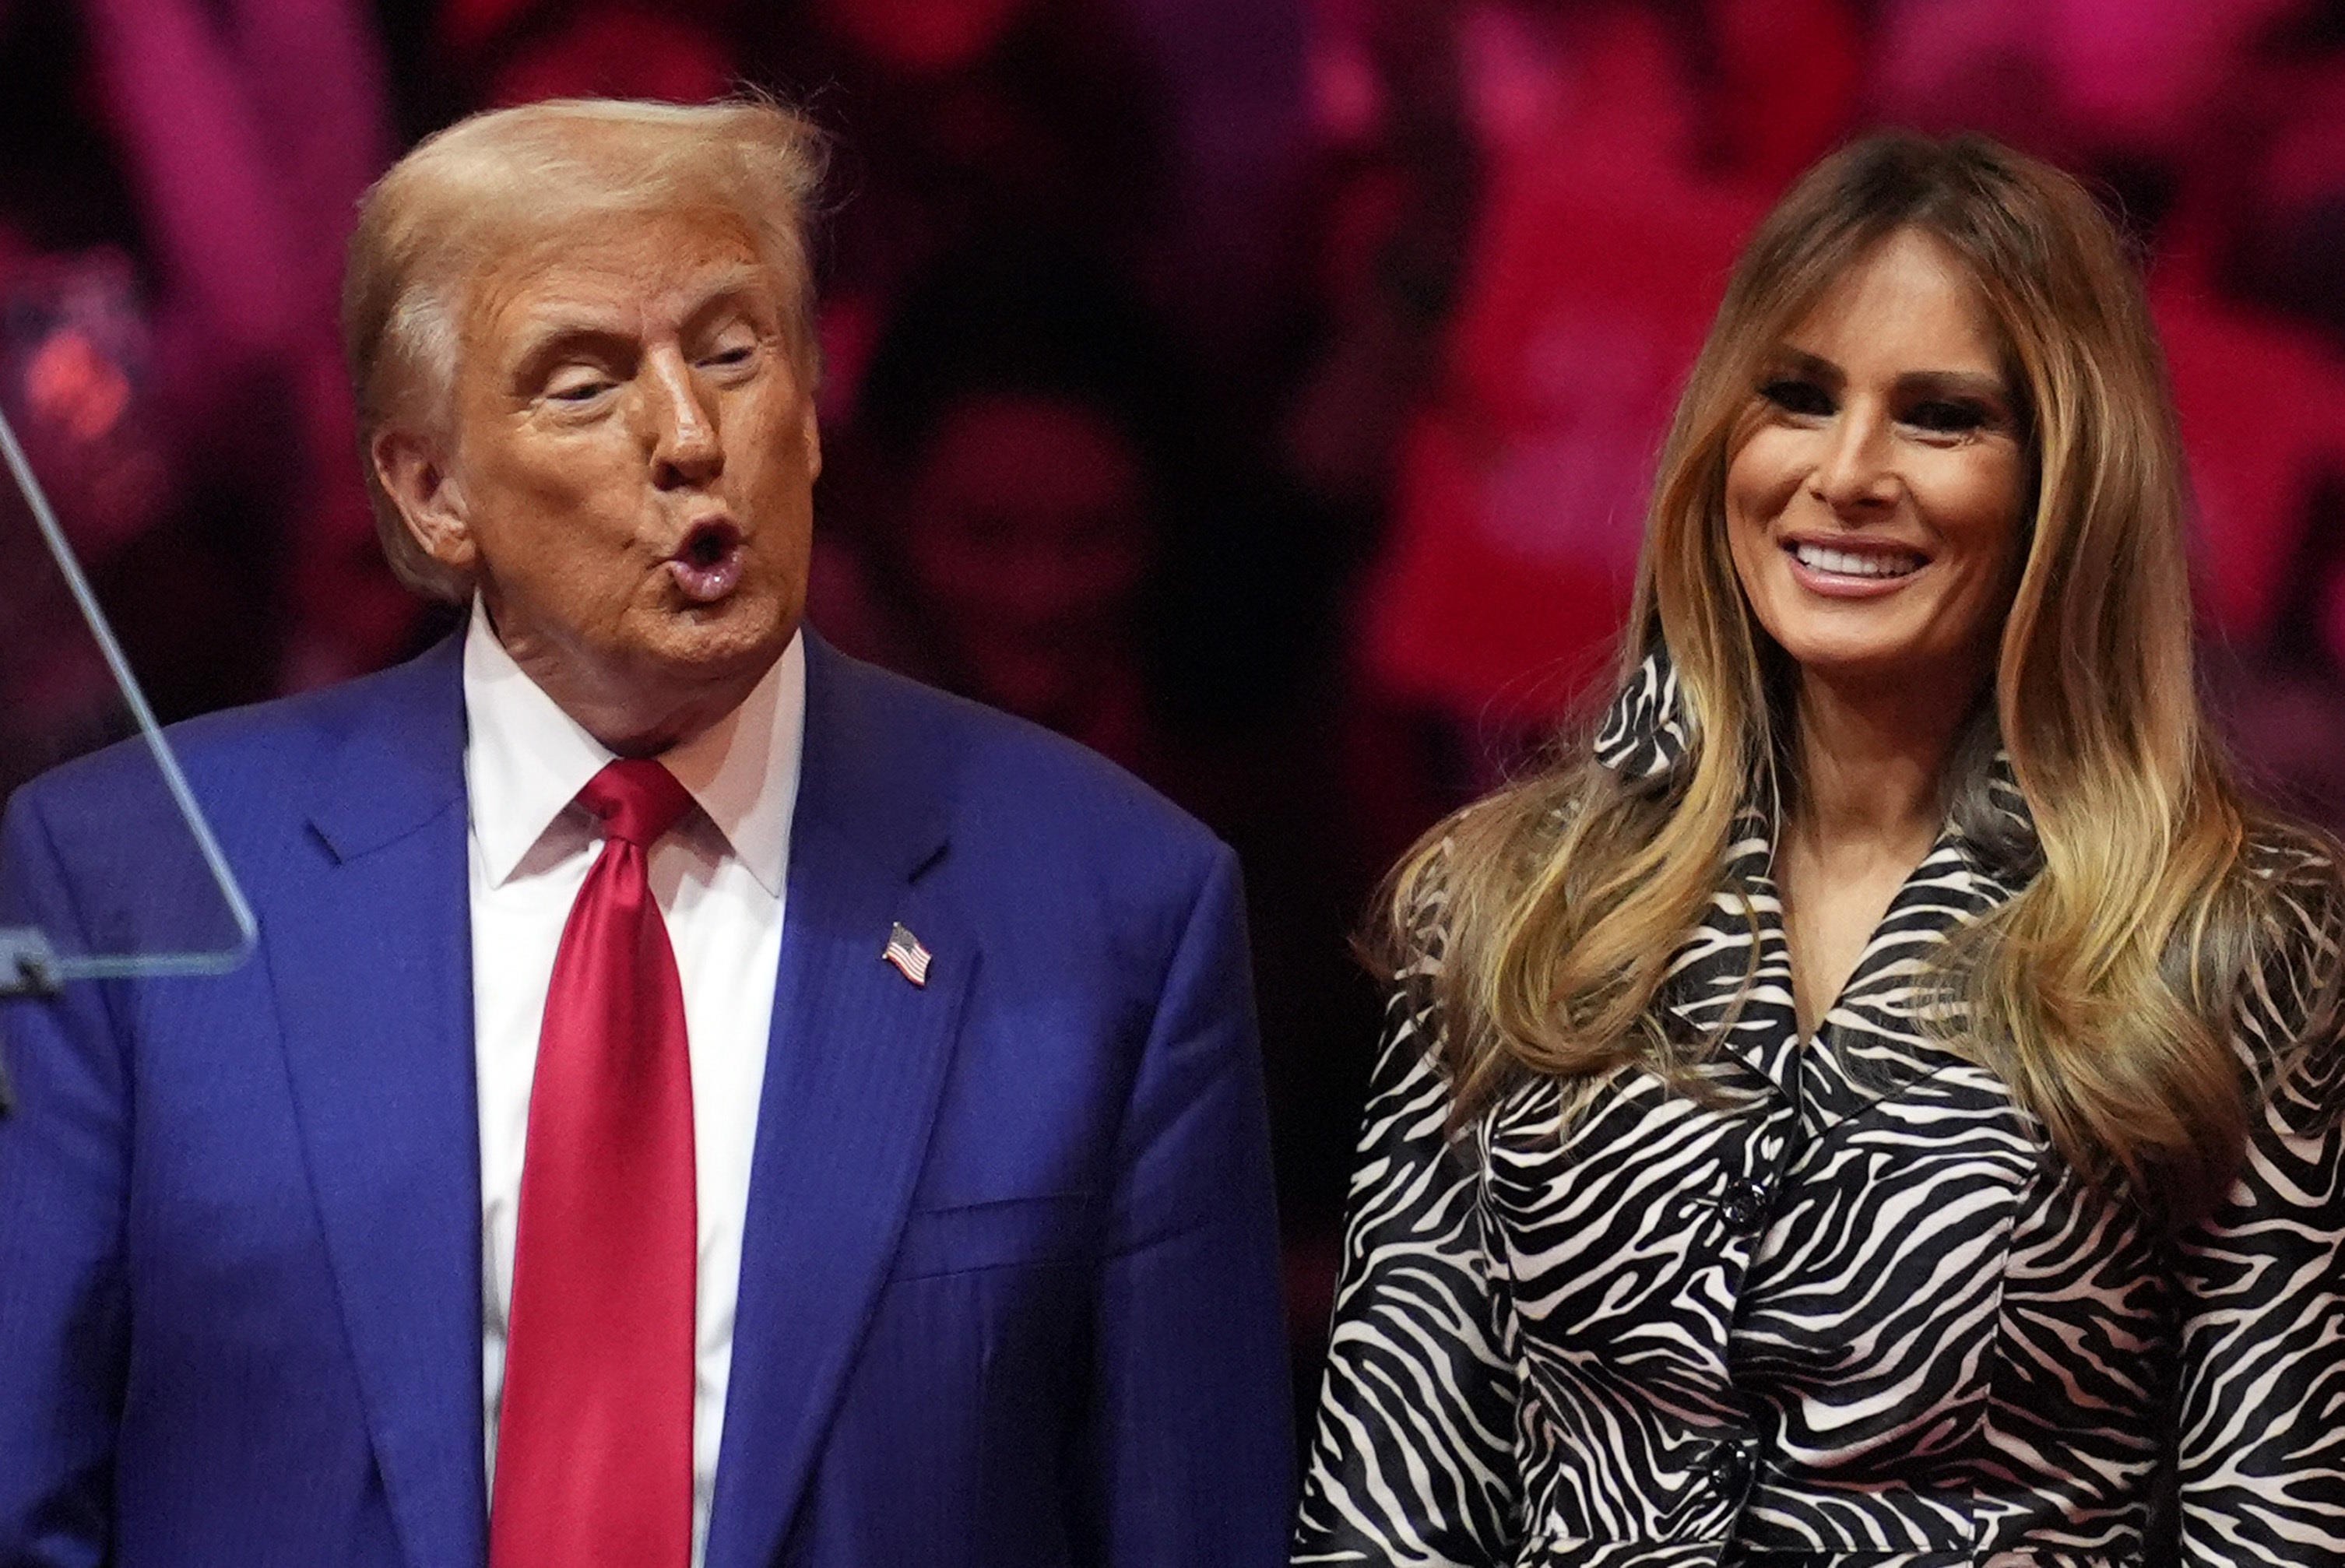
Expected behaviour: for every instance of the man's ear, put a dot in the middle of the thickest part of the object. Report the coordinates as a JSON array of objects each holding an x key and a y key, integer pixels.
[
  {"x": 810, "y": 431},
  {"x": 416, "y": 478}
]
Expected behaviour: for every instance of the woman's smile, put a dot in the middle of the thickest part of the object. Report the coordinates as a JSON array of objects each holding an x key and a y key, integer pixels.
[
  {"x": 1853, "y": 568},
  {"x": 1873, "y": 505}
]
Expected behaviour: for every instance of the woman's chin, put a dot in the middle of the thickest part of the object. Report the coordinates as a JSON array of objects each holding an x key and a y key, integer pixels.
[{"x": 1879, "y": 662}]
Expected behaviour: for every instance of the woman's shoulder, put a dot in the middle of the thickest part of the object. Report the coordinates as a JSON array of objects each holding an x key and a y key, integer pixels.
[
  {"x": 1413, "y": 924},
  {"x": 2296, "y": 873},
  {"x": 2292, "y": 993},
  {"x": 2289, "y": 849},
  {"x": 1477, "y": 855}
]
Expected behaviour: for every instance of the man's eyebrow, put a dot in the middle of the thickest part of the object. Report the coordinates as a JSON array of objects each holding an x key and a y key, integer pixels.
[
  {"x": 726, "y": 292},
  {"x": 556, "y": 338},
  {"x": 558, "y": 335}
]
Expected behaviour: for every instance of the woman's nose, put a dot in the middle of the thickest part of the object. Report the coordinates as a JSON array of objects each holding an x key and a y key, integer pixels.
[{"x": 1854, "y": 473}]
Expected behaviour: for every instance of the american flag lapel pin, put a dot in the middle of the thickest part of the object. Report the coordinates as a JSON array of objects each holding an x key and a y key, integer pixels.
[{"x": 905, "y": 952}]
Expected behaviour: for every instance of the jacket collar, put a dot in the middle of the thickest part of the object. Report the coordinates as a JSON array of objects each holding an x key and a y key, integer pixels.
[
  {"x": 1730, "y": 981},
  {"x": 1648, "y": 736},
  {"x": 367, "y": 944}
]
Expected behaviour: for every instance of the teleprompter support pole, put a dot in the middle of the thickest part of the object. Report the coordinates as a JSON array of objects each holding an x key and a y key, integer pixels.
[{"x": 27, "y": 968}]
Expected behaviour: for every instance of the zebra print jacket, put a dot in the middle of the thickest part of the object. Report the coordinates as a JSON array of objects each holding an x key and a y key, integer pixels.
[{"x": 1859, "y": 1316}]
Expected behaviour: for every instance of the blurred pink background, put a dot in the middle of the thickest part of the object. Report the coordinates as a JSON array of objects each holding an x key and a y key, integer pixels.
[{"x": 1262, "y": 391}]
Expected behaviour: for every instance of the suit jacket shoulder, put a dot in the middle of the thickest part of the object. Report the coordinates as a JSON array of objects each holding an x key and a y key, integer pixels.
[
  {"x": 355, "y": 764},
  {"x": 900, "y": 758}
]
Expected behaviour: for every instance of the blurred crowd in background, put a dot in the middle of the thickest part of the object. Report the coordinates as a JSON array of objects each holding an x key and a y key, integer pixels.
[{"x": 1260, "y": 391}]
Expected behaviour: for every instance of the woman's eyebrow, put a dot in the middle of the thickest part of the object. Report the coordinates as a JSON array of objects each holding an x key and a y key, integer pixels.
[
  {"x": 1954, "y": 383},
  {"x": 1787, "y": 360}
]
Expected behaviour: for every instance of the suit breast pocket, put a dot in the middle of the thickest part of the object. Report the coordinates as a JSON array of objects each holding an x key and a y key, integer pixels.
[{"x": 1059, "y": 1227}]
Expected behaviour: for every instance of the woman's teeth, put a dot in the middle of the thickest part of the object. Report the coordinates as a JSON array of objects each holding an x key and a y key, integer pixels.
[{"x": 1856, "y": 564}]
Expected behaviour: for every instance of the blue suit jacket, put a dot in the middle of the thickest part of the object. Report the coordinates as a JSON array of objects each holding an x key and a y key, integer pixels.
[{"x": 1009, "y": 1290}]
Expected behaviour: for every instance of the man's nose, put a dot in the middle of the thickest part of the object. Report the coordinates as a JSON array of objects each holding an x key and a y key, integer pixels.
[
  {"x": 685, "y": 448},
  {"x": 1855, "y": 472}
]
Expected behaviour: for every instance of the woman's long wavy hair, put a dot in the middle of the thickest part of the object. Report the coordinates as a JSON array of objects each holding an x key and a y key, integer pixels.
[{"x": 2103, "y": 992}]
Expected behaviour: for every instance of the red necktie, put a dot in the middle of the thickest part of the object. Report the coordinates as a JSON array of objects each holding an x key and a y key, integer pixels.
[{"x": 594, "y": 1439}]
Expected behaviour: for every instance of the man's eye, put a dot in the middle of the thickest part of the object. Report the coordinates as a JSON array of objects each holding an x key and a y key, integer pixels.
[
  {"x": 736, "y": 355},
  {"x": 577, "y": 389},
  {"x": 1946, "y": 416},
  {"x": 1799, "y": 397}
]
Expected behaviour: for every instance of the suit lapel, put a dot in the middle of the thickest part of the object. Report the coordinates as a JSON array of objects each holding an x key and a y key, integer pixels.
[
  {"x": 853, "y": 1077},
  {"x": 370, "y": 953}
]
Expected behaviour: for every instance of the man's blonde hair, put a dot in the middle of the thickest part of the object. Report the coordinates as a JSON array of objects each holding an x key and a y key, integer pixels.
[{"x": 501, "y": 180}]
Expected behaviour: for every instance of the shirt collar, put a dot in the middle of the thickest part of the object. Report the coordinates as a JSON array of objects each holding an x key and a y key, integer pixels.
[
  {"x": 743, "y": 769},
  {"x": 525, "y": 760}
]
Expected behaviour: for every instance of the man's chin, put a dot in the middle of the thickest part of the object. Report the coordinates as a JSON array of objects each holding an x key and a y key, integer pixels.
[{"x": 740, "y": 634}]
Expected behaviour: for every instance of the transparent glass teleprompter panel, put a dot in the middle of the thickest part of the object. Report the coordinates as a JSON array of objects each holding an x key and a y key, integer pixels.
[{"x": 172, "y": 905}]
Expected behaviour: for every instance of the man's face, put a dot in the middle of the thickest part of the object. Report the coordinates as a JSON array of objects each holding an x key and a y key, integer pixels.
[{"x": 632, "y": 459}]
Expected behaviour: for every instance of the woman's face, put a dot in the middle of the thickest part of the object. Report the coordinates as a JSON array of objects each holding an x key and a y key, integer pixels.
[{"x": 1873, "y": 506}]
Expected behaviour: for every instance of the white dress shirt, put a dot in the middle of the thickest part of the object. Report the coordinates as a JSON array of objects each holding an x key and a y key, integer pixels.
[{"x": 720, "y": 879}]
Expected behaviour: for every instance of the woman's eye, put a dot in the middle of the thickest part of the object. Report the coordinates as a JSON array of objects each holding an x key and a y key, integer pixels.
[
  {"x": 1794, "y": 396},
  {"x": 1946, "y": 416}
]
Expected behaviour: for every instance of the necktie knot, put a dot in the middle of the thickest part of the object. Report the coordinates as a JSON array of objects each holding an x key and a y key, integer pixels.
[{"x": 637, "y": 799}]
